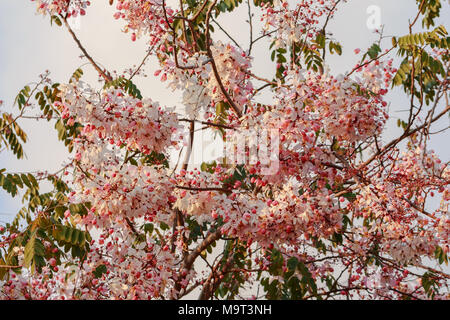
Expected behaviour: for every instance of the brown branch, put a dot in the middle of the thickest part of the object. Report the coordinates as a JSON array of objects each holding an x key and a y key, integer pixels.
[
  {"x": 13, "y": 122},
  {"x": 442, "y": 274},
  {"x": 418, "y": 14},
  {"x": 191, "y": 144},
  {"x": 131, "y": 225},
  {"x": 184, "y": 24},
  {"x": 227, "y": 34}
]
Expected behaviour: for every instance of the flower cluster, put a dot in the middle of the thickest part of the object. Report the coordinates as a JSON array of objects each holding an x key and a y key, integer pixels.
[{"x": 120, "y": 118}]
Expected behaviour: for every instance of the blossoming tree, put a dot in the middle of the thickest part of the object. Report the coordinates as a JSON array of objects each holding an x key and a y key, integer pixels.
[{"x": 344, "y": 215}]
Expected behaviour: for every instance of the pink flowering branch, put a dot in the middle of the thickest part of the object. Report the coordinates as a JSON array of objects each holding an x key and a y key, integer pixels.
[{"x": 214, "y": 66}]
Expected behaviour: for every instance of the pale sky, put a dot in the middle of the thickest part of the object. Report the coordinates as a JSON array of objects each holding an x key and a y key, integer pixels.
[{"x": 29, "y": 46}]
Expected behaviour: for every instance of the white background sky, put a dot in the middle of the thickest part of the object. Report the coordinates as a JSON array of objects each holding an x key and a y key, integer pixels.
[{"x": 29, "y": 46}]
